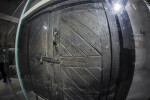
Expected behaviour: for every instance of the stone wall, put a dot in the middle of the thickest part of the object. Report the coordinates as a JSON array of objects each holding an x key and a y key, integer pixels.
[{"x": 140, "y": 19}]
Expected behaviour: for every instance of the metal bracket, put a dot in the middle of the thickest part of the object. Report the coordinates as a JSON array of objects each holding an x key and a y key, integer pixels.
[
  {"x": 48, "y": 59},
  {"x": 54, "y": 41}
]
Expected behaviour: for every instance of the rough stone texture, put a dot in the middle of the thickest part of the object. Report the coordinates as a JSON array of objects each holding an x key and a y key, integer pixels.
[
  {"x": 139, "y": 15},
  {"x": 140, "y": 19}
]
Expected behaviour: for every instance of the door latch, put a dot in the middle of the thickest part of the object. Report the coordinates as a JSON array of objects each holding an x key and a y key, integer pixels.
[{"x": 48, "y": 59}]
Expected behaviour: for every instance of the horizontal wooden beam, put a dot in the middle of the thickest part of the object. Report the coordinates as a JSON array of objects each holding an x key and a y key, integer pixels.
[
  {"x": 9, "y": 18},
  {"x": 36, "y": 7}
]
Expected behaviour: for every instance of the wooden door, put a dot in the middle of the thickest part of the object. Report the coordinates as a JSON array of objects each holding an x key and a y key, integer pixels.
[
  {"x": 77, "y": 50},
  {"x": 40, "y": 45},
  {"x": 83, "y": 47}
]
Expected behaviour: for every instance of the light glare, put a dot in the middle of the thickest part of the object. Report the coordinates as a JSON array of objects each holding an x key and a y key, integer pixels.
[
  {"x": 117, "y": 7},
  {"x": 45, "y": 27}
]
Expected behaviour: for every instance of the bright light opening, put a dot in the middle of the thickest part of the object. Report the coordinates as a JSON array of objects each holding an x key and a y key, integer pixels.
[{"x": 117, "y": 7}]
